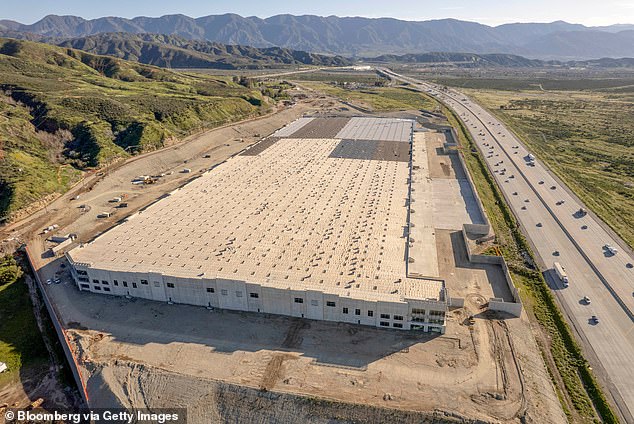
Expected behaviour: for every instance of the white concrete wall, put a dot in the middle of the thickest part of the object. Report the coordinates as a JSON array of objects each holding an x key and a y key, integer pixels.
[{"x": 246, "y": 296}]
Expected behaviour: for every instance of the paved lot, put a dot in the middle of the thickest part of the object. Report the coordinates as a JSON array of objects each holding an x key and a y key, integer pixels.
[
  {"x": 422, "y": 247},
  {"x": 606, "y": 279}
]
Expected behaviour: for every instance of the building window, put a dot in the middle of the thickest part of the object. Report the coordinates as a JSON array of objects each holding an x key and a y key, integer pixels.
[
  {"x": 370, "y": 313},
  {"x": 106, "y": 289},
  {"x": 238, "y": 293},
  {"x": 254, "y": 295},
  {"x": 170, "y": 285},
  {"x": 314, "y": 303},
  {"x": 385, "y": 316},
  {"x": 125, "y": 284},
  {"x": 436, "y": 317},
  {"x": 345, "y": 310},
  {"x": 224, "y": 292},
  {"x": 397, "y": 325},
  {"x": 157, "y": 284},
  {"x": 418, "y": 311},
  {"x": 299, "y": 300},
  {"x": 144, "y": 282},
  {"x": 357, "y": 311},
  {"x": 134, "y": 285},
  {"x": 210, "y": 290},
  {"x": 84, "y": 279},
  {"x": 332, "y": 304},
  {"x": 384, "y": 324},
  {"x": 85, "y": 286},
  {"x": 115, "y": 282},
  {"x": 398, "y": 317},
  {"x": 97, "y": 287},
  {"x": 80, "y": 272},
  {"x": 104, "y": 282},
  {"x": 95, "y": 281}
]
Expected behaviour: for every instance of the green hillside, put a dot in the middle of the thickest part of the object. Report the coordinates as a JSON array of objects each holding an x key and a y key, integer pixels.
[
  {"x": 64, "y": 110},
  {"x": 171, "y": 51}
]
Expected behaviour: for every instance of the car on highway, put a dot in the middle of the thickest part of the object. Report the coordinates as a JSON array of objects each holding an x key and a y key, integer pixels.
[
  {"x": 539, "y": 224},
  {"x": 594, "y": 319},
  {"x": 586, "y": 300},
  {"x": 552, "y": 187},
  {"x": 561, "y": 202},
  {"x": 541, "y": 182},
  {"x": 610, "y": 249}
]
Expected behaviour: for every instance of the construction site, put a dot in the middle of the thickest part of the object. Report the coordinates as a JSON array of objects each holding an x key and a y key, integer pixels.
[{"x": 281, "y": 276}]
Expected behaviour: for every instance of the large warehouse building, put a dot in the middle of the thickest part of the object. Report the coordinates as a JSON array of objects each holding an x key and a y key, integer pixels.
[{"x": 311, "y": 222}]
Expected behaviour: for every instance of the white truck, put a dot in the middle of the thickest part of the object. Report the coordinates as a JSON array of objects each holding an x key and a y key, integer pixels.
[{"x": 561, "y": 273}]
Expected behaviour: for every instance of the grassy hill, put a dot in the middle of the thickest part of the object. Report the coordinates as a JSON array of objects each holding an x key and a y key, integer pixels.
[
  {"x": 172, "y": 51},
  {"x": 64, "y": 110}
]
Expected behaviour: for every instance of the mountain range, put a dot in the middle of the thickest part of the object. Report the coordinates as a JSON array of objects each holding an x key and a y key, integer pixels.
[
  {"x": 357, "y": 37},
  {"x": 172, "y": 51}
]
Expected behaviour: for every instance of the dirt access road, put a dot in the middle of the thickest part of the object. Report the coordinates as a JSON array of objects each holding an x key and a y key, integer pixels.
[{"x": 95, "y": 191}]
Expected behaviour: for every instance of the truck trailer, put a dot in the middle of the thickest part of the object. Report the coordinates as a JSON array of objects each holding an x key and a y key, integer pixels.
[{"x": 561, "y": 273}]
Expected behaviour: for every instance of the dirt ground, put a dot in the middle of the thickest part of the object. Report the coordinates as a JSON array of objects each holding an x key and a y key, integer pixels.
[
  {"x": 138, "y": 353},
  {"x": 244, "y": 367}
]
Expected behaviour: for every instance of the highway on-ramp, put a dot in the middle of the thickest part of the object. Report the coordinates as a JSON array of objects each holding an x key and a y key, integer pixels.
[{"x": 550, "y": 217}]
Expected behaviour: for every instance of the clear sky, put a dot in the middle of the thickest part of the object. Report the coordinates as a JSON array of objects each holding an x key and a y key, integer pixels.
[{"x": 491, "y": 12}]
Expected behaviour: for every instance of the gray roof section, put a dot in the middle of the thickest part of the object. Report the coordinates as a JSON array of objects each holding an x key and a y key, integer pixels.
[{"x": 380, "y": 129}]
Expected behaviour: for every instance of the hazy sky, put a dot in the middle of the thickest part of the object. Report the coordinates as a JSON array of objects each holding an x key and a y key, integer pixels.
[{"x": 491, "y": 12}]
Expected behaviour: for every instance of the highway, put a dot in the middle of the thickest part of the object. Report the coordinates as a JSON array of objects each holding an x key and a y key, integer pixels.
[{"x": 549, "y": 216}]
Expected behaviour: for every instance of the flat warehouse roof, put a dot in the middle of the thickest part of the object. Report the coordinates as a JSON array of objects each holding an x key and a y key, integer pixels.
[{"x": 289, "y": 215}]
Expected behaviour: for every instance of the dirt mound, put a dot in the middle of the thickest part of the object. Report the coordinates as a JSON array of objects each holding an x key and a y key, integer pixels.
[{"x": 131, "y": 385}]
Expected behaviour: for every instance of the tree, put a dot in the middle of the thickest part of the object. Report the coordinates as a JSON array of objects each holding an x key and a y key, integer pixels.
[{"x": 10, "y": 271}]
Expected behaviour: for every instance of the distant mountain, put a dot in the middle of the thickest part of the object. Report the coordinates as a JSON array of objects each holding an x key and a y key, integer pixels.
[
  {"x": 615, "y": 28},
  {"x": 354, "y": 36},
  {"x": 585, "y": 44},
  {"x": 470, "y": 60},
  {"x": 173, "y": 51}
]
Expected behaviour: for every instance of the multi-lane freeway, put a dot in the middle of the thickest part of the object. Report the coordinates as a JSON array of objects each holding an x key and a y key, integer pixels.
[{"x": 551, "y": 219}]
